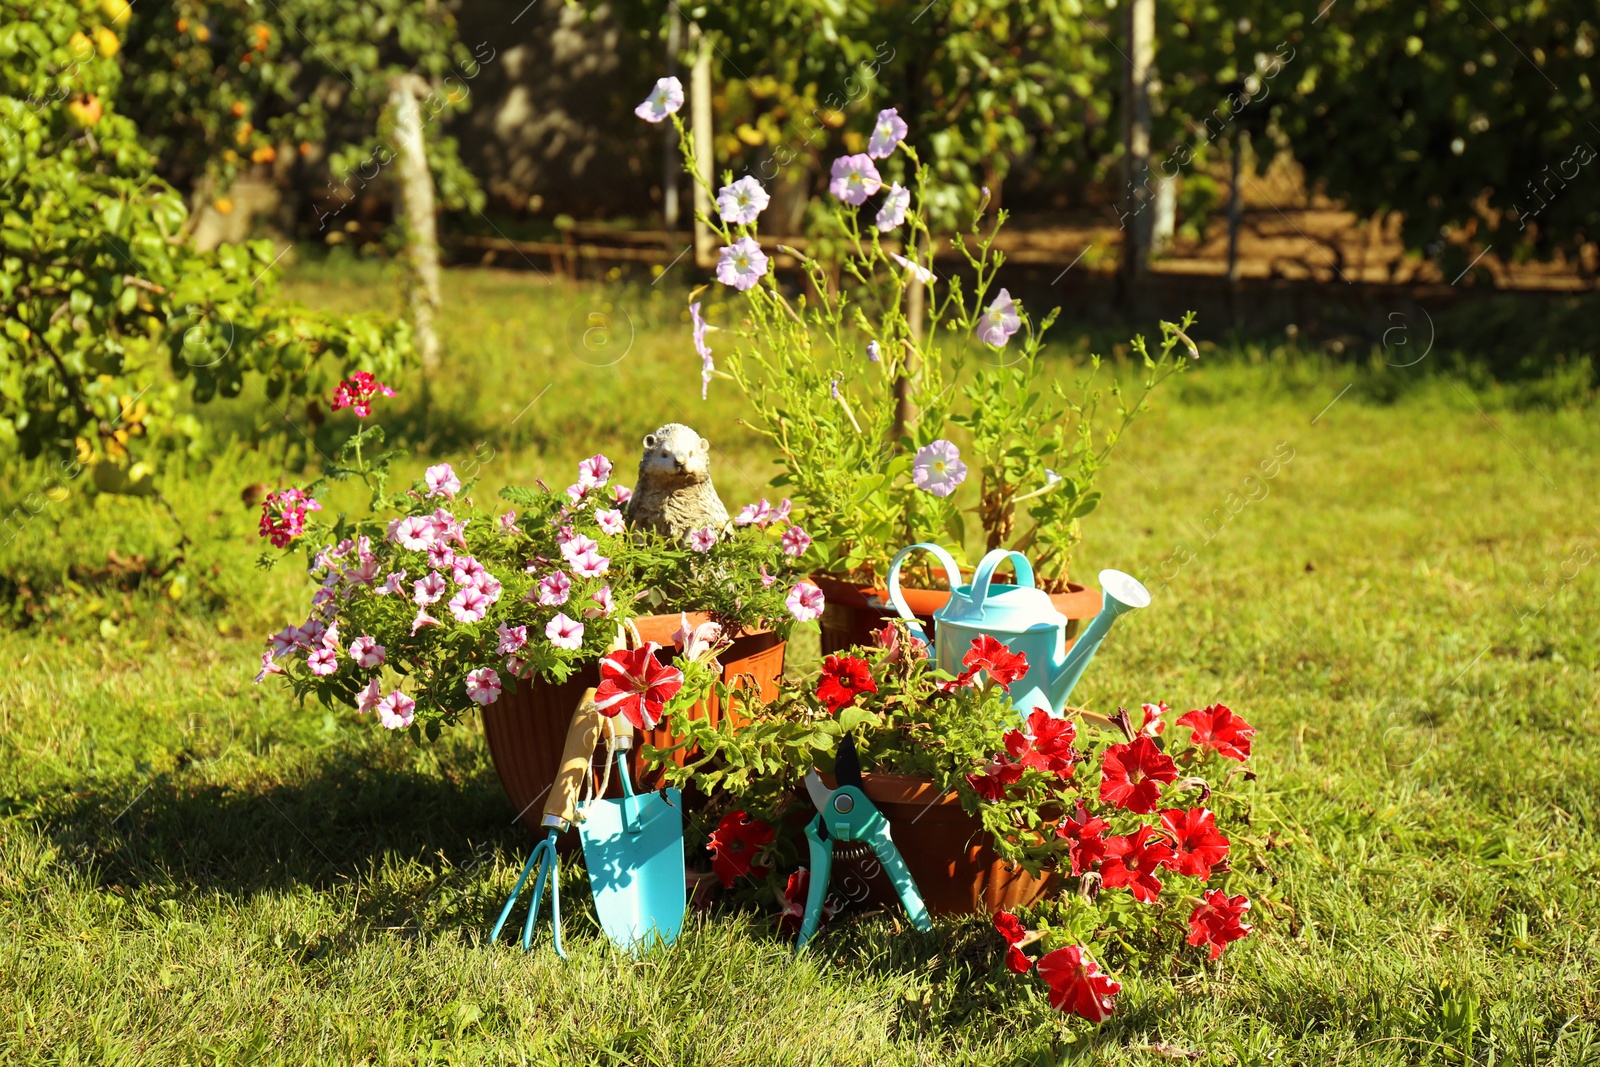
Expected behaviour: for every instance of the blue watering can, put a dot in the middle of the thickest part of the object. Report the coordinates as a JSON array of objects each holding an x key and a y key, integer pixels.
[{"x": 1020, "y": 617}]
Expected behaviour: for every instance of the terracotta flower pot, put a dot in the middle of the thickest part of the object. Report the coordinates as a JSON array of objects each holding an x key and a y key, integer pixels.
[
  {"x": 949, "y": 853},
  {"x": 853, "y": 611},
  {"x": 526, "y": 729}
]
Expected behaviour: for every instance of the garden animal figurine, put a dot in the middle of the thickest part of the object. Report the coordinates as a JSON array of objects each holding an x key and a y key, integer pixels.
[
  {"x": 673, "y": 494},
  {"x": 1021, "y": 618}
]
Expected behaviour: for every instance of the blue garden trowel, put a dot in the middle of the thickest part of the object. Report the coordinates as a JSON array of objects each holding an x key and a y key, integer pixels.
[{"x": 633, "y": 847}]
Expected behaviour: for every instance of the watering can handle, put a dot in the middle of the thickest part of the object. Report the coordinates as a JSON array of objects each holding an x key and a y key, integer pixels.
[
  {"x": 991, "y": 563},
  {"x": 952, "y": 574}
]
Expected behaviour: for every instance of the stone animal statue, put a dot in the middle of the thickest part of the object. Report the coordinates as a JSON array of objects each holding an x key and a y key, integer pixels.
[{"x": 673, "y": 494}]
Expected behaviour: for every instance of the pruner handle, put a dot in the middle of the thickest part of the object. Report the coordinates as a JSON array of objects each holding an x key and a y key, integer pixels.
[
  {"x": 883, "y": 846},
  {"x": 820, "y": 874}
]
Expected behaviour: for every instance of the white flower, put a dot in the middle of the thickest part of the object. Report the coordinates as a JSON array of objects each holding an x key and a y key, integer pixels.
[
  {"x": 742, "y": 201},
  {"x": 893, "y": 211},
  {"x": 665, "y": 99}
]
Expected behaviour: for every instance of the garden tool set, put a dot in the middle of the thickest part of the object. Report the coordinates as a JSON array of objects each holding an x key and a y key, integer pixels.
[
  {"x": 1020, "y": 617},
  {"x": 846, "y": 816}
]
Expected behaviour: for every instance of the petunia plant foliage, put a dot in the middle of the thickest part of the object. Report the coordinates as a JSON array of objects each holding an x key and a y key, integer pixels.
[
  {"x": 884, "y": 385},
  {"x": 1125, "y": 811},
  {"x": 428, "y": 604}
]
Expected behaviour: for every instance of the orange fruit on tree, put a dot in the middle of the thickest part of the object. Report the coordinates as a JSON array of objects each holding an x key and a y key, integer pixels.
[
  {"x": 85, "y": 111},
  {"x": 265, "y": 154}
]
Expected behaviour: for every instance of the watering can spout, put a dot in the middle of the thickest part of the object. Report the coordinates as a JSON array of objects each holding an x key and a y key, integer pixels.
[{"x": 1122, "y": 593}]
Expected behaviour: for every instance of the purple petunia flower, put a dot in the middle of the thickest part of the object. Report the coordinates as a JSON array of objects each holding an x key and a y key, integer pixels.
[{"x": 854, "y": 179}]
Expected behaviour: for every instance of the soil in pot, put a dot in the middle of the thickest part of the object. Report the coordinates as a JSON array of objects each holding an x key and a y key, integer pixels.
[
  {"x": 526, "y": 729},
  {"x": 853, "y": 611},
  {"x": 949, "y": 854}
]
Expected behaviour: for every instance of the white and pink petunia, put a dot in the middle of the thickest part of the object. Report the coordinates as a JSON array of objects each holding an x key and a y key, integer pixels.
[
  {"x": 887, "y": 133},
  {"x": 610, "y": 521},
  {"x": 708, "y": 369},
  {"x": 422, "y": 619},
  {"x": 442, "y": 481},
  {"x": 579, "y": 546},
  {"x": 511, "y": 638},
  {"x": 854, "y": 178},
  {"x": 395, "y": 583},
  {"x": 665, "y": 99},
  {"x": 483, "y": 686},
  {"x": 601, "y": 597},
  {"x": 368, "y": 699},
  {"x": 284, "y": 640},
  {"x": 440, "y": 557},
  {"x": 594, "y": 471},
  {"x": 591, "y": 564},
  {"x": 367, "y": 652},
  {"x": 465, "y": 570},
  {"x": 742, "y": 201},
  {"x": 396, "y": 710},
  {"x": 621, "y": 494},
  {"x": 268, "y": 666},
  {"x": 428, "y": 590},
  {"x": 414, "y": 532},
  {"x": 322, "y": 662},
  {"x": 805, "y": 602},
  {"x": 796, "y": 541},
  {"x": 554, "y": 589},
  {"x": 893, "y": 211},
  {"x": 446, "y": 527},
  {"x": 754, "y": 514},
  {"x": 564, "y": 632},
  {"x": 741, "y": 264},
  {"x": 469, "y": 605},
  {"x": 703, "y": 539},
  {"x": 999, "y": 321},
  {"x": 489, "y": 586}
]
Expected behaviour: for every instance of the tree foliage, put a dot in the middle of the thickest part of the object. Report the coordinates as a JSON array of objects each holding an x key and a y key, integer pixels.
[{"x": 98, "y": 286}]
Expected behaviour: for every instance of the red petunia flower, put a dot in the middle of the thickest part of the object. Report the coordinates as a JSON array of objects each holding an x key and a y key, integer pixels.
[
  {"x": 888, "y": 639},
  {"x": 1082, "y": 832},
  {"x": 991, "y": 783},
  {"x": 636, "y": 684},
  {"x": 1047, "y": 746},
  {"x": 1197, "y": 846},
  {"x": 1076, "y": 984},
  {"x": 1219, "y": 728},
  {"x": 1131, "y": 775},
  {"x": 1011, "y": 928},
  {"x": 1002, "y": 665},
  {"x": 960, "y": 681},
  {"x": 1153, "y": 724},
  {"x": 843, "y": 679},
  {"x": 1218, "y": 921},
  {"x": 793, "y": 915},
  {"x": 1132, "y": 862},
  {"x": 733, "y": 846}
]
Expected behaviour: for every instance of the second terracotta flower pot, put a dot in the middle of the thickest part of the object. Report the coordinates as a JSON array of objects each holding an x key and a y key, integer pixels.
[
  {"x": 526, "y": 729},
  {"x": 949, "y": 853},
  {"x": 853, "y": 611}
]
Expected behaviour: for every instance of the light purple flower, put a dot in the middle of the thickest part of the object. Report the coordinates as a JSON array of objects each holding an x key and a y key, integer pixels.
[
  {"x": 594, "y": 471},
  {"x": 442, "y": 481},
  {"x": 893, "y": 211},
  {"x": 887, "y": 133},
  {"x": 366, "y": 651},
  {"x": 703, "y": 539},
  {"x": 414, "y": 532},
  {"x": 483, "y": 686},
  {"x": 742, "y": 201},
  {"x": 937, "y": 468},
  {"x": 396, "y": 710},
  {"x": 511, "y": 638},
  {"x": 1000, "y": 320},
  {"x": 322, "y": 662},
  {"x": 917, "y": 271},
  {"x": 742, "y": 264},
  {"x": 796, "y": 541},
  {"x": 508, "y": 521},
  {"x": 805, "y": 602},
  {"x": 854, "y": 179},
  {"x": 874, "y": 352},
  {"x": 469, "y": 605},
  {"x": 610, "y": 521},
  {"x": 428, "y": 590},
  {"x": 707, "y": 368},
  {"x": 564, "y": 632},
  {"x": 554, "y": 589},
  {"x": 665, "y": 99}
]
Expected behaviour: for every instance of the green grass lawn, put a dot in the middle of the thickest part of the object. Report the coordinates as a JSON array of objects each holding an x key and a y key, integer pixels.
[{"x": 195, "y": 870}]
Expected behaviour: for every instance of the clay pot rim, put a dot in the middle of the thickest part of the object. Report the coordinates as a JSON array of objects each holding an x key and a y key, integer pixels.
[
  {"x": 649, "y": 625},
  {"x": 1078, "y": 602},
  {"x": 887, "y": 788}
]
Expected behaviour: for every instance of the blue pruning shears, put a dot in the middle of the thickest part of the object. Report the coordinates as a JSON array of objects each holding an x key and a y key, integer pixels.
[{"x": 845, "y": 814}]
